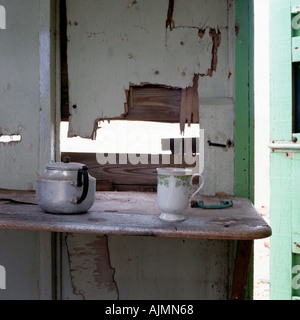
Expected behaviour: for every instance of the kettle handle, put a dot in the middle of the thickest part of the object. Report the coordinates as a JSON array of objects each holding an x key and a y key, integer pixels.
[{"x": 83, "y": 172}]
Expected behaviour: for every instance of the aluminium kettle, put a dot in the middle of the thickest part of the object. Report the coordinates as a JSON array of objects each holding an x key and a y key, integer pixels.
[{"x": 65, "y": 188}]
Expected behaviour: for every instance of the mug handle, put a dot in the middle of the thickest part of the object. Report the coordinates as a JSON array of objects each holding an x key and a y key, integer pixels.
[{"x": 191, "y": 183}]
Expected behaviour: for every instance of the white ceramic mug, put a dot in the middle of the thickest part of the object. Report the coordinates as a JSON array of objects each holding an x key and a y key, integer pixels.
[{"x": 174, "y": 188}]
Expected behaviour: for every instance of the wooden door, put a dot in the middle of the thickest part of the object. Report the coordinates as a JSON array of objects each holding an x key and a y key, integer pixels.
[{"x": 285, "y": 156}]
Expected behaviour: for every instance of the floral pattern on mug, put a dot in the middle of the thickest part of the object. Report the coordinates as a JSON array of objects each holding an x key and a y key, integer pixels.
[
  {"x": 180, "y": 181},
  {"x": 163, "y": 180},
  {"x": 183, "y": 181}
]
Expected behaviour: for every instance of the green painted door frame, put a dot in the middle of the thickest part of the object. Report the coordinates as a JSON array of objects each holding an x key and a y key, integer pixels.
[
  {"x": 244, "y": 99},
  {"x": 244, "y": 107}
]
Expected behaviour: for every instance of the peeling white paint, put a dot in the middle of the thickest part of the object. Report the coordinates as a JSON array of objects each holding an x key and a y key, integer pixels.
[
  {"x": 113, "y": 44},
  {"x": 89, "y": 268}
]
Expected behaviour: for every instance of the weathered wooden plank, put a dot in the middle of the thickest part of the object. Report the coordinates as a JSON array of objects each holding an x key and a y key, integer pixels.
[
  {"x": 126, "y": 176},
  {"x": 136, "y": 214},
  {"x": 154, "y": 103}
]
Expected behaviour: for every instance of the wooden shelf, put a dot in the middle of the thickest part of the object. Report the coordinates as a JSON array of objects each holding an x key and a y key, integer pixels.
[{"x": 135, "y": 214}]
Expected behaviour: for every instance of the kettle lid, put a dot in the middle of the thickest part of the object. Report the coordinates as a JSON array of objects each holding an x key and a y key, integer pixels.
[{"x": 62, "y": 166}]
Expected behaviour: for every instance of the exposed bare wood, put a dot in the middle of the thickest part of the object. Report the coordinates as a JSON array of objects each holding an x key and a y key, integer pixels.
[
  {"x": 154, "y": 103},
  {"x": 124, "y": 176},
  {"x": 216, "y": 36},
  {"x": 189, "y": 111},
  {"x": 242, "y": 263},
  {"x": 170, "y": 22},
  {"x": 104, "y": 185}
]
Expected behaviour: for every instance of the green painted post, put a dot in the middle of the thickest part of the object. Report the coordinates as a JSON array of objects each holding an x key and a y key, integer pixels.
[
  {"x": 244, "y": 100},
  {"x": 281, "y": 215},
  {"x": 281, "y": 70},
  {"x": 282, "y": 163},
  {"x": 244, "y": 105}
]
